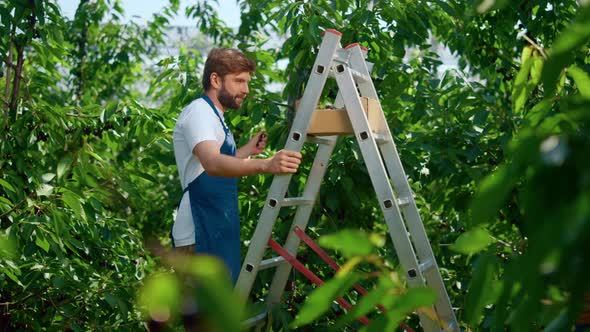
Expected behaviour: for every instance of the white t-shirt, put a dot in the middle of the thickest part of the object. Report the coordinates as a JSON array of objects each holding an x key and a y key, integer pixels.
[{"x": 196, "y": 123}]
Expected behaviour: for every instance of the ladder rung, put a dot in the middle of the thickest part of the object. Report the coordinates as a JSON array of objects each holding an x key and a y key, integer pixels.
[
  {"x": 359, "y": 78},
  {"x": 255, "y": 319},
  {"x": 341, "y": 56},
  {"x": 403, "y": 202},
  {"x": 294, "y": 201},
  {"x": 318, "y": 140},
  {"x": 271, "y": 262},
  {"x": 427, "y": 265},
  {"x": 381, "y": 138}
]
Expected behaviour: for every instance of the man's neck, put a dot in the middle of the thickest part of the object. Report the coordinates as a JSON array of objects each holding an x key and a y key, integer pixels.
[{"x": 211, "y": 94}]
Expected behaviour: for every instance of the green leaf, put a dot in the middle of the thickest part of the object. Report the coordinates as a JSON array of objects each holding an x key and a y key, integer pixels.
[
  {"x": 7, "y": 246},
  {"x": 368, "y": 302},
  {"x": 7, "y": 185},
  {"x": 400, "y": 305},
  {"x": 573, "y": 37},
  {"x": 526, "y": 53},
  {"x": 63, "y": 165},
  {"x": 217, "y": 299},
  {"x": 160, "y": 296},
  {"x": 581, "y": 79},
  {"x": 349, "y": 242},
  {"x": 73, "y": 201},
  {"x": 320, "y": 300},
  {"x": 111, "y": 300},
  {"x": 12, "y": 276},
  {"x": 109, "y": 110},
  {"x": 95, "y": 156},
  {"x": 42, "y": 243},
  {"x": 538, "y": 112},
  {"x": 484, "y": 6},
  {"x": 536, "y": 71},
  {"x": 492, "y": 193},
  {"x": 58, "y": 282},
  {"x": 521, "y": 90},
  {"x": 481, "y": 292},
  {"x": 44, "y": 190},
  {"x": 47, "y": 177},
  {"x": 473, "y": 241},
  {"x": 413, "y": 299}
]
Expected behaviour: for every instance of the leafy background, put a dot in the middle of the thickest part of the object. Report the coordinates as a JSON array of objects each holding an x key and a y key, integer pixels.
[{"x": 496, "y": 152}]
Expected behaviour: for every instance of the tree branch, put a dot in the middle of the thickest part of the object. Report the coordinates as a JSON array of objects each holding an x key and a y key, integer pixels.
[
  {"x": 16, "y": 206},
  {"x": 81, "y": 15},
  {"x": 535, "y": 45},
  {"x": 9, "y": 66},
  {"x": 20, "y": 59}
]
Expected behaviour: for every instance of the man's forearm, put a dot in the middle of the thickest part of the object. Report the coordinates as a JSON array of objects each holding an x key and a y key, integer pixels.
[
  {"x": 229, "y": 166},
  {"x": 242, "y": 153}
]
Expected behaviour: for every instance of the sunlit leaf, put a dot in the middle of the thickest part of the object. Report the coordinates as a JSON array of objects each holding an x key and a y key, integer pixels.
[
  {"x": 44, "y": 190},
  {"x": 7, "y": 185},
  {"x": 42, "y": 243},
  {"x": 521, "y": 89},
  {"x": 320, "y": 300},
  {"x": 473, "y": 241},
  {"x": 349, "y": 242},
  {"x": 73, "y": 201},
  {"x": 575, "y": 35},
  {"x": 63, "y": 165},
  {"x": 581, "y": 79},
  {"x": 160, "y": 296},
  {"x": 481, "y": 291},
  {"x": 7, "y": 246}
]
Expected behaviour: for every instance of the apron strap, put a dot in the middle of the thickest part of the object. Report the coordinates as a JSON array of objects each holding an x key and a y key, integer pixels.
[
  {"x": 210, "y": 102},
  {"x": 225, "y": 129}
]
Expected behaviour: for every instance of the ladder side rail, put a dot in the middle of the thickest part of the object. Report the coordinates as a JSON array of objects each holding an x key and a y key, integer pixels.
[
  {"x": 302, "y": 215},
  {"x": 378, "y": 175},
  {"x": 280, "y": 183},
  {"x": 410, "y": 211},
  {"x": 312, "y": 187}
]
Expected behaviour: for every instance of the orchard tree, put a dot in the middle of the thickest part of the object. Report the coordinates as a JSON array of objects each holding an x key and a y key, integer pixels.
[{"x": 495, "y": 150}]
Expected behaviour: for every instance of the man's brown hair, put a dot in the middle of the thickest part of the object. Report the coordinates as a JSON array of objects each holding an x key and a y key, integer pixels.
[{"x": 225, "y": 61}]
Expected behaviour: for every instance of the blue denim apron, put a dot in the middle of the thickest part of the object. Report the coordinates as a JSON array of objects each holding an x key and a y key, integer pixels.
[{"x": 214, "y": 205}]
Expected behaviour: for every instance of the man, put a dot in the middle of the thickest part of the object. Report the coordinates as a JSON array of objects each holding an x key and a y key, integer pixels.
[{"x": 208, "y": 163}]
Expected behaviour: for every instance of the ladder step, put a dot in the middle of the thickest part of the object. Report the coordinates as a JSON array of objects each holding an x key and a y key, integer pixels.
[
  {"x": 359, "y": 77},
  {"x": 403, "y": 202},
  {"x": 427, "y": 265},
  {"x": 253, "y": 320},
  {"x": 317, "y": 140},
  {"x": 381, "y": 138},
  {"x": 271, "y": 262},
  {"x": 295, "y": 201}
]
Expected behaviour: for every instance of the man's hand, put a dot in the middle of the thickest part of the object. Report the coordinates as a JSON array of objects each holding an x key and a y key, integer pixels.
[
  {"x": 254, "y": 147},
  {"x": 283, "y": 162}
]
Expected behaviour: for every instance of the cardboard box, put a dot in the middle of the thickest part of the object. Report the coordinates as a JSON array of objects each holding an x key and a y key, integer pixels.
[{"x": 325, "y": 122}]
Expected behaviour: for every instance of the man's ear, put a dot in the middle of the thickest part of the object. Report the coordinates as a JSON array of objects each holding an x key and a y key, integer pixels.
[{"x": 215, "y": 80}]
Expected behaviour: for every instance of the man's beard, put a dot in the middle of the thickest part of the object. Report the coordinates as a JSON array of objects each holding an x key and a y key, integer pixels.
[{"x": 227, "y": 100}]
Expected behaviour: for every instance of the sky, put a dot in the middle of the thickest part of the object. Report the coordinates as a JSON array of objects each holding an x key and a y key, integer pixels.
[{"x": 142, "y": 10}]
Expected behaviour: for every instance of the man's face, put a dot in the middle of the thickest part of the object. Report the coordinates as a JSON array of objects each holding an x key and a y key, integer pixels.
[{"x": 234, "y": 88}]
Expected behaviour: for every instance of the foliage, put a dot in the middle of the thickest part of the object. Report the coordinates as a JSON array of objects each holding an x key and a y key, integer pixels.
[
  {"x": 496, "y": 152},
  {"x": 81, "y": 162}
]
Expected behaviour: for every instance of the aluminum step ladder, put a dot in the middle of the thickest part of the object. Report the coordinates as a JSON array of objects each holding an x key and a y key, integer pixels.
[{"x": 352, "y": 74}]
